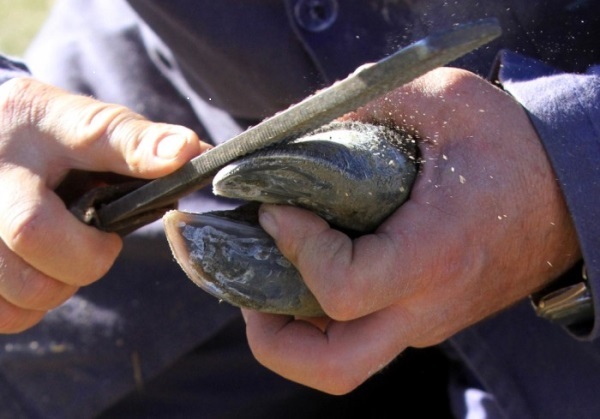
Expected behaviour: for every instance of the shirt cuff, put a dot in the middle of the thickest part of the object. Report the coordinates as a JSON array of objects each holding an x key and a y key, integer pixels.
[{"x": 564, "y": 109}]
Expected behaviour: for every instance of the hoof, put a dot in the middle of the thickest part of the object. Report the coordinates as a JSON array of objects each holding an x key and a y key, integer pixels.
[
  {"x": 353, "y": 175},
  {"x": 237, "y": 262}
]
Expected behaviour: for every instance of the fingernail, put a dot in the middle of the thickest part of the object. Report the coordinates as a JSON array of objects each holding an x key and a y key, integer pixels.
[
  {"x": 267, "y": 221},
  {"x": 169, "y": 147}
]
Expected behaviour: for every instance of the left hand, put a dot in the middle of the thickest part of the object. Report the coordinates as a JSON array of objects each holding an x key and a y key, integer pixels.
[
  {"x": 486, "y": 225},
  {"x": 47, "y": 134}
]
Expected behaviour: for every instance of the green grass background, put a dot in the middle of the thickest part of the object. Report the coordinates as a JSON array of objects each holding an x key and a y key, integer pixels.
[{"x": 19, "y": 22}]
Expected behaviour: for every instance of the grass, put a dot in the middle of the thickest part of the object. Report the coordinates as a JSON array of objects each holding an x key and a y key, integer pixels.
[{"x": 19, "y": 22}]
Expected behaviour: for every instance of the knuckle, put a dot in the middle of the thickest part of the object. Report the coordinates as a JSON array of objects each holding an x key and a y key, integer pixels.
[
  {"x": 18, "y": 90},
  {"x": 338, "y": 379},
  {"x": 342, "y": 300},
  {"x": 450, "y": 83},
  {"x": 462, "y": 84},
  {"x": 116, "y": 129},
  {"x": 39, "y": 292},
  {"x": 24, "y": 229},
  {"x": 447, "y": 76},
  {"x": 97, "y": 265},
  {"x": 326, "y": 261},
  {"x": 339, "y": 307},
  {"x": 135, "y": 155},
  {"x": 26, "y": 235},
  {"x": 17, "y": 102},
  {"x": 99, "y": 120},
  {"x": 352, "y": 296}
]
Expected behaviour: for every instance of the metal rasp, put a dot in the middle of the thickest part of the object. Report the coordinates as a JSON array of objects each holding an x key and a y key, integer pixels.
[{"x": 126, "y": 212}]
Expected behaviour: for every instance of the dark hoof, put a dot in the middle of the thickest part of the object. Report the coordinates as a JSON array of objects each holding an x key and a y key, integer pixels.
[
  {"x": 353, "y": 175},
  {"x": 238, "y": 263}
]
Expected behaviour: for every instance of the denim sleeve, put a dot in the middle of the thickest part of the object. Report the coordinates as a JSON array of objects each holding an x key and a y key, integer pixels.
[
  {"x": 11, "y": 68},
  {"x": 565, "y": 110}
]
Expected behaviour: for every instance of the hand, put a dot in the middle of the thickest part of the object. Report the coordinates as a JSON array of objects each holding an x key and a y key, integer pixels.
[
  {"x": 45, "y": 253},
  {"x": 485, "y": 225}
]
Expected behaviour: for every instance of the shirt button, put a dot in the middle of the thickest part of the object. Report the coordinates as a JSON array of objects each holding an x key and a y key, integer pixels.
[{"x": 316, "y": 15}]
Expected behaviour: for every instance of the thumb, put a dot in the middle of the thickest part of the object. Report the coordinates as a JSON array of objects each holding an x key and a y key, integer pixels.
[
  {"x": 339, "y": 271},
  {"x": 83, "y": 133},
  {"x": 46, "y": 132}
]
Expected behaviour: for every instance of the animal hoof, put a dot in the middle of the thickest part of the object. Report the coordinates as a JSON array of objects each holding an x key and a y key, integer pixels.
[
  {"x": 237, "y": 262},
  {"x": 354, "y": 175}
]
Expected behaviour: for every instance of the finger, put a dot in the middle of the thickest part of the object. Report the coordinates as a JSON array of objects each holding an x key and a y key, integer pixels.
[
  {"x": 14, "y": 319},
  {"x": 47, "y": 132},
  {"x": 83, "y": 133},
  {"x": 27, "y": 288},
  {"x": 350, "y": 278},
  {"x": 335, "y": 361},
  {"x": 36, "y": 226},
  {"x": 399, "y": 264},
  {"x": 321, "y": 323}
]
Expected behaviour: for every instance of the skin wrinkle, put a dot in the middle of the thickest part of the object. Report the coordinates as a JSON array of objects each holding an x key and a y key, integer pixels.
[
  {"x": 37, "y": 291},
  {"x": 14, "y": 320},
  {"x": 19, "y": 107},
  {"x": 337, "y": 300},
  {"x": 337, "y": 366},
  {"x": 103, "y": 121},
  {"x": 368, "y": 305},
  {"x": 347, "y": 288},
  {"x": 23, "y": 231},
  {"x": 15, "y": 158},
  {"x": 23, "y": 223},
  {"x": 441, "y": 294},
  {"x": 24, "y": 278}
]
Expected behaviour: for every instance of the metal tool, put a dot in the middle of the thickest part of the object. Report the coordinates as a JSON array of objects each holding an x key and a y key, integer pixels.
[{"x": 140, "y": 206}]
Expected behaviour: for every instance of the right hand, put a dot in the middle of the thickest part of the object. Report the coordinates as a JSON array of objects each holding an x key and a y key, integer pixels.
[
  {"x": 486, "y": 225},
  {"x": 46, "y": 254}
]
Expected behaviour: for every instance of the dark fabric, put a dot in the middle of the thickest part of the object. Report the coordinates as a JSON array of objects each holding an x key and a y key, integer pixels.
[
  {"x": 255, "y": 60},
  {"x": 565, "y": 110},
  {"x": 221, "y": 380},
  {"x": 11, "y": 68},
  {"x": 145, "y": 336}
]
